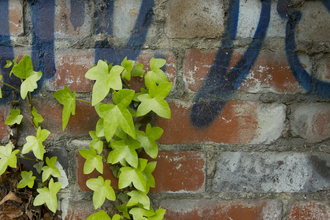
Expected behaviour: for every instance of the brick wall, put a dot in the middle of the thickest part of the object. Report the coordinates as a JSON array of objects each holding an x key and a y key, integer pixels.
[{"x": 250, "y": 127}]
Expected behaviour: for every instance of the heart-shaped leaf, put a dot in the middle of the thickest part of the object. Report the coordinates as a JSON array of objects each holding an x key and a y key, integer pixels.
[
  {"x": 15, "y": 117},
  {"x": 8, "y": 158},
  {"x": 102, "y": 190},
  {"x": 35, "y": 143},
  {"x": 51, "y": 169},
  {"x": 92, "y": 162},
  {"x": 28, "y": 179}
]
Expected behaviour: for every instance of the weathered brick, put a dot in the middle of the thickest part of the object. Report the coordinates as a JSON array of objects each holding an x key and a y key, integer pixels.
[
  {"x": 217, "y": 209},
  {"x": 314, "y": 22},
  {"x": 312, "y": 210},
  {"x": 323, "y": 69},
  {"x": 15, "y": 17},
  {"x": 270, "y": 72},
  {"x": 271, "y": 172},
  {"x": 80, "y": 124},
  {"x": 4, "y": 112},
  {"x": 79, "y": 211},
  {"x": 238, "y": 123},
  {"x": 175, "y": 172},
  {"x": 311, "y": 121},
  {"x": 71, "y": 67},
  {"x": 197, "y": 18},
  {"x": 72, "y": 19}
]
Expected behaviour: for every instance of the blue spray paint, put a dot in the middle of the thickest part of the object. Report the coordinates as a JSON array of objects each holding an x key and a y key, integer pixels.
[
  {"x": 103, "y": 50},
  {"x": 7, "y": 52},
  {"x": 220, "y": 83},
  {"x": 77, "y": 14}
]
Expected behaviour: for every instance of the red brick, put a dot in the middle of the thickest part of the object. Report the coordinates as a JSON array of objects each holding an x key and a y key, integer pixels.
[
  {"x": 196, "y": 18},
  {"x": 63, "y": 24},
  {"x": 311, "y": 121},
  {"x": 175, "y": 172},
  {"x": 323, "y": 69},
  {"x": 4, "y": 112},
  {"x": 270, "y": 71},
  {"x": 239, "y": 122},
  {"x": 82, "y": 178},
  {"x": 71, "y": 67},
  {"x": 179, "y": 172},
  {"x": 213, "y": 209},
  {"x": 80, "y": 124},
  {"x": 145, "y": 57},
  {"x": 309, "y": 211},
  {"x": 15, "y": 17}
]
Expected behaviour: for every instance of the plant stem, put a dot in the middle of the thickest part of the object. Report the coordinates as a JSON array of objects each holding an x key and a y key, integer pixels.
[
  {"x": 29, "y": 121},
  {"x": 27, "y": 158},
  {"x": 81, "y": 100},
  {"x": 10, "y": 86}
]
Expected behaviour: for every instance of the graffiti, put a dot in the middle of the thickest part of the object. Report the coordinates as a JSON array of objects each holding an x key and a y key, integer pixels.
[{"x": 220, "y": 83}]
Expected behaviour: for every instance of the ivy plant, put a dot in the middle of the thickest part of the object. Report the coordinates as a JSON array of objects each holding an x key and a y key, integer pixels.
[{"x": 118, "y": 139}]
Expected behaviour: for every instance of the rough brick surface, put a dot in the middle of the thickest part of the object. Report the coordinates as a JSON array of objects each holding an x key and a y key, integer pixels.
[
  {"x": 271, "y": 172},
  {"x": 313, "y": 210},
  {"x": 197, "y": 18},
  {"x": 270, "y": 73},
  {"x": 238, "y": 123},
  {"x": 323, "y": 69},
  {"x": 4, "y": 112},
  {"x": 71, "y": 22},
  {"x": 214, "y": 209},
  {"x": 79, "y": 211},
  {"x": 72, "y": 66},
  {"x": 311, "y": 121},
  {"x": 175, "y": 172},
  {"x": 15, "y": 17}
]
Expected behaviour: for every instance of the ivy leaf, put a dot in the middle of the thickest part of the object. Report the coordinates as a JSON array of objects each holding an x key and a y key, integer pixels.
[
  {"x": 24, "y": 70},
  {"x": 150, "y": 181},
  {"x": 8, "y": 63},
  {"x": 104, "y": 80},
  {"x": 154, "y": 100},
  {"x": 28, "y": 180},
  {"x": 15, "y": 117},
  {"x": 68, "y": 100},
  {"x": 35, "y": 143},
  {"x": 50, "y": 169},
  {"x": 96, "y": 142},
  {"x": 138, "y": 70},
  {"x": 92, "y": 162},
  {"x": 159, "y": 215},
  {"x": 36, "y": 117},
  {"x": 156, "y": 73},
  {"x": 148, "y": 140},
  {"x": 118, "y": 115},
  {"x": 125, "y": 149},
  {"x": 130, "y": 175},
  {"x": 8, "y": 158},
  {"x": 124, "y": 210},
  {"x": 99, "y": 128},
  {"x": 102, "y": 190},
  {"x": 138, "y": 213},
  {"x": 128, "y": 66},
  {"x": 99, "y": 215},
  {"x": 138, "y": 197},
  {"x": 48, "y": 195},
  {"x": 114, "y": 168},
  {"x": 38, "y": 166}
]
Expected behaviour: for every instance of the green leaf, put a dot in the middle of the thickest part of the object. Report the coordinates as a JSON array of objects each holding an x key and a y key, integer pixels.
[
  {"x": 138, "y": 213},
  {"x": 128, "y": 66},
  {"x": 100, "y": 215},
  {"x": 68, "y": 100},
  {"x": 154, "y": 100},
  {"x": 130, "y": 175},
  {"x": 24, "y": 70},
  {"x": 105, "y": 80},
  {"x": 96, "y": 142},
  {"x": 125, "y": 149},
  {"x": 36, "y": 117},
  {"x": 114, "y": 168},
  {"x": 51, "y": 169},
  {"x": 102, "y": 190},
  {"x": 100, "y": 128},
  {"x": 92, "y": 162},
  {"x": 156, "y": 73},
  {"x": 118, "y": 115},
  {"x": 48, "y": 195},
  {"x": 38, "y": 166},
  {"x": 148, "y": 140},
  {"x": 9, "y": 63},
  {"x": 15, "y": 117},
  {"x": 124, "y": 210},
  {"x": 159, "y": 215},
  {"x": 28, "y": 180},
  {"x": 150, "y": 181},
  {"x": 8, "y": 158},
  {"x": 138, "y": 70},
  {"x": 35, "y": 143},
  {"x": 138, "y": 197}
]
